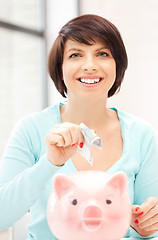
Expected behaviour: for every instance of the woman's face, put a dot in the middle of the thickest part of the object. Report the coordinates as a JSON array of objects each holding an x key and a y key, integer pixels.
[{"x": 88, "y": 70}]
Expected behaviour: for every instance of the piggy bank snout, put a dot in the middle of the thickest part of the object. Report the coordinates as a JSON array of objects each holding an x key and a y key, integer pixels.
[
  {"x": 92, "y": 217},
  {"x": 92, "y": 212}
]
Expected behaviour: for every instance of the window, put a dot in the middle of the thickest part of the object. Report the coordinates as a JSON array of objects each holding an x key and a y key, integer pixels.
[{"x": 22, "y": 62}]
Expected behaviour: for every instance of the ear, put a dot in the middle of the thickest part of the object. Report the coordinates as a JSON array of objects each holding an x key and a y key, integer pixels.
[
  {"x": 62, "y": 185},
  {"x": 119, "y": 181}
]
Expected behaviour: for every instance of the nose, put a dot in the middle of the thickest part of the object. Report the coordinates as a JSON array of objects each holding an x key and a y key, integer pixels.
[
  {"x": 92, "y": 212},
  {"x": 89, "y": 65},
  {"x": 92, "y": 217}
]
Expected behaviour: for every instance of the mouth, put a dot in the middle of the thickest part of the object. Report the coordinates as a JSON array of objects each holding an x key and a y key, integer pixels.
[
  {"x": 91, "y": 81},
  {"x": 92, "y": 223}
]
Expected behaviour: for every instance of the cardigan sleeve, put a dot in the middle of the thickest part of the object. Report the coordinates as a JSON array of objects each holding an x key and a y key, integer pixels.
[
  {"x": 146, "y": 181},
  {"x": 23, "y": 174}
]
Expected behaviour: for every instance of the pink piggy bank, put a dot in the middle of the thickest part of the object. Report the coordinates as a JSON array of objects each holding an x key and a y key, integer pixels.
[{"x": 89, "y": 205}]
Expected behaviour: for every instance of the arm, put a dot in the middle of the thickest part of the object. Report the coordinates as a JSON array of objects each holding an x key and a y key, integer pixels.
[
  {"x": 20, "y": 184},
  {"x": 145, "y": 212}
]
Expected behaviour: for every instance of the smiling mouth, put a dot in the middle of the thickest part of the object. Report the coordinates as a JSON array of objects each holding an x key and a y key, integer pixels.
[
  {"x": 92, "y": 223},
  {"x": 90, "y": 81}
]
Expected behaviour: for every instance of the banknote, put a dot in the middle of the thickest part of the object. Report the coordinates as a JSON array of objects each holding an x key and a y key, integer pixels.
[{"x": 90, "y": 138}]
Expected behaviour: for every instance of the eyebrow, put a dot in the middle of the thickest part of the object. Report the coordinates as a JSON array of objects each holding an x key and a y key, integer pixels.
[
  {"x": 79, "y": 50},
  {"x": 105, "y": 47},
  {"x": 74, "y": 49}
]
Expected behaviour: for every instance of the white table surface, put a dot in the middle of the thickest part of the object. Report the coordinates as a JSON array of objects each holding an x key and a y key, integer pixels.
[{"x": 156, "y": 238}]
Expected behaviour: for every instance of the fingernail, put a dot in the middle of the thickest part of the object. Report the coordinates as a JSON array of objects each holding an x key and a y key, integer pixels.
[
  {"x": 81, "y": 145},
  {"x": 66, "y": 146},
  {"x": 141, "y": 213},
  {"x": 137, "y": 208},
  {"x": 73, "y": 144},
  {"x": 136, "y": 221}
]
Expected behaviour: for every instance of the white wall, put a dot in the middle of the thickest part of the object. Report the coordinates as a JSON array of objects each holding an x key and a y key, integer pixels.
[
  {"x": 137, "y": 21},
  {"x": 58, "y": 12}
]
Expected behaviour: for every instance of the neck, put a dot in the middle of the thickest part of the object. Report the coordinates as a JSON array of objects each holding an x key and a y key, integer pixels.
[{"x": 94, "y": 114}]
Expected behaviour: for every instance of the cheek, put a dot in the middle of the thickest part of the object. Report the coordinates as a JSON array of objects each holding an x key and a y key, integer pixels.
[
  {"x": 112, "y": 69},
  {"x": 67, "y": 68},
  {"x": 70, "y": 69},
  {"x": 64, "y": 71},
  {"x": 66, "y": 75},
  {"x": 70, "y": 212}
]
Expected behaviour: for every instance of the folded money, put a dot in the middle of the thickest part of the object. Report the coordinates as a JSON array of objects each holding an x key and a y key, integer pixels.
[{"x": 90, "y": 138}]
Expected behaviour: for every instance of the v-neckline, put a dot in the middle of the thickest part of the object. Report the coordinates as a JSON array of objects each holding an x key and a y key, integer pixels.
[{"x": 123, "y": 126}]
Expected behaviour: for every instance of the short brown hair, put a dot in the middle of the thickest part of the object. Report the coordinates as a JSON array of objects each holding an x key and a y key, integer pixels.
[{"x": 85, "y": 29}]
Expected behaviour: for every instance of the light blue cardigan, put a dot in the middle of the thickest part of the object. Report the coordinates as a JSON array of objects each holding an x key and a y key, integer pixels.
[{"x": 26, "y": 174}]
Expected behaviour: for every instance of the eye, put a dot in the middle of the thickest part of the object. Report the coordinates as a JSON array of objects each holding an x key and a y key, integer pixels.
[
  {"x": 74, "y": 55},
  {"x": 74, "y": 202},
  {"x": 108, "y": 201},
  {"x": 103, "y": 54}
]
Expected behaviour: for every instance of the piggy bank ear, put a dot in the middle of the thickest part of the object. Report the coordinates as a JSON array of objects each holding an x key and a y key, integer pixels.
[
  {"x": 119, "y": 181},
  {"x": 62, "y": 185}
]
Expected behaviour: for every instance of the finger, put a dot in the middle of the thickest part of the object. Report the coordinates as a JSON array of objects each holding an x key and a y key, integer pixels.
[
  {"x": 54, "y": 139},
  {"x": 76, "y": 135},
  {"x": 71, "y": 133},
  {"x": 149, "y": 215},
  {"x": 135, "y": 209},
  {"x": 81, "y": 138},
  {"x": 153, "y": 227},
  {"x": 65, "y": 133},
  {"x": 153, "y": 221},
  {"x": 147, "y": 205}
]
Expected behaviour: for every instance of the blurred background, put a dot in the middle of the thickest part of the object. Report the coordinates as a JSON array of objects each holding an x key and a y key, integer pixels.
[{"x": 27, "y": 31}]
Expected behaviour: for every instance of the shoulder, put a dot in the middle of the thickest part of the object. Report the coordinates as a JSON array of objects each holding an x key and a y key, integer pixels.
[
  {"x": 47, "y": 115},
  {"x": 38, "y": 122},
  {"x": 44, "y": 115},
  {"x": 135, "y": 125}
]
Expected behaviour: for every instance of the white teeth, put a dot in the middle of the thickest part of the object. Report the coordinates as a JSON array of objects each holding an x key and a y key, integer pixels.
[
  {"x": 97, "y": 80},
  {"x": 90, "y": 80}
]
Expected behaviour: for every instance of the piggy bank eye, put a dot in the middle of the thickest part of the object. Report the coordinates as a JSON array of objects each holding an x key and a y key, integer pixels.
[
  {"x": 108, "y": 201},
  {"x": 74, "y": 202}
]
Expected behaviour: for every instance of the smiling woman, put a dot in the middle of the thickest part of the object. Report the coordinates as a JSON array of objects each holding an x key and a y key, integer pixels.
[
  {"x": 84, "y": 31},
  {"x": 87, "y": 64}
]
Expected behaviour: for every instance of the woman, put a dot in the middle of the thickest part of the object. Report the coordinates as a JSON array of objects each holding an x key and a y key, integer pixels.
[{"x": 87, "y": 64}]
